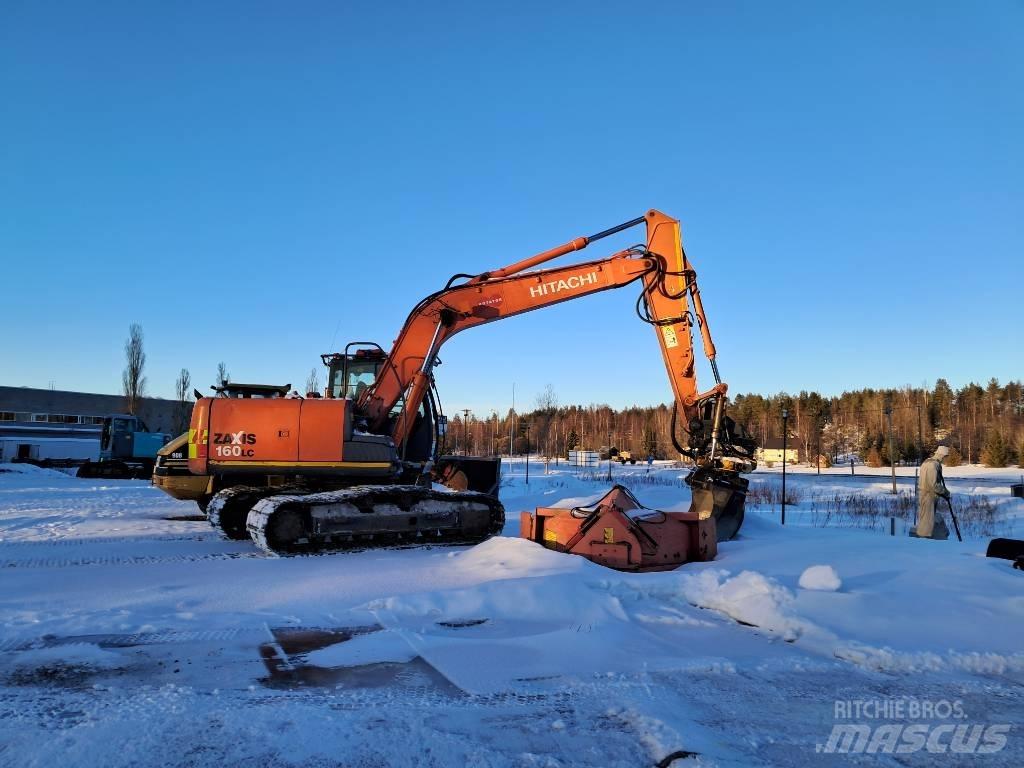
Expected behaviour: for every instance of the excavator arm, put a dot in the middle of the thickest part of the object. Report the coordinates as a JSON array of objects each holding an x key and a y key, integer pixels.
[{"x": 670, "y": 301}]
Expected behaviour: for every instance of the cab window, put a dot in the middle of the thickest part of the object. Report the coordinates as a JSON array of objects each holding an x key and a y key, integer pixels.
[{"x": 353, "y": 379}]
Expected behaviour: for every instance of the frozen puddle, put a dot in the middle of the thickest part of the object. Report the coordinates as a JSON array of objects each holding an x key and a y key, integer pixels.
[{"x": 291, "y": 661}]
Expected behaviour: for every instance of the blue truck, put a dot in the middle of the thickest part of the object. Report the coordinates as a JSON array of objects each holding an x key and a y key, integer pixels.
[{"x": 127, "y": 449}]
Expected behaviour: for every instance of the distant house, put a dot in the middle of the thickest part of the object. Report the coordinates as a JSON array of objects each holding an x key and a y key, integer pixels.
[
  {"x": 771, "y": 451},
  {"x": 55, "y": 424}
]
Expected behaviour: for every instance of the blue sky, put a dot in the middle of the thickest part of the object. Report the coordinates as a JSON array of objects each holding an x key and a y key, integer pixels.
[{"x": 252, "y": 181}]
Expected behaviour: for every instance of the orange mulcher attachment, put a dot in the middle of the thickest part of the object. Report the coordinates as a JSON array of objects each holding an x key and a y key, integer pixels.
[{"x": 619, "y": 532}]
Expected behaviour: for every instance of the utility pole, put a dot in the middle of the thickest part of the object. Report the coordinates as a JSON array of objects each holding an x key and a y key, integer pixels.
[
  {"x": 785, "y": 438},
  {"x": 609, "y": 455},
  {"x": 920, "y": 436},
  {"x": 527, "y": 453},
  {"x": 892, "y": 454},
  {"x": 465, "y": 431},
  {"x": 511, "y": 429},
  {"x": 817, "y": 447}
]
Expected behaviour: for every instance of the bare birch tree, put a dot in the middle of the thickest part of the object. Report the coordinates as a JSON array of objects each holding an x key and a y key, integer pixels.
[
  {"x": 133, "y": 380},
  {"x": 313, "y": 381},
  {"x": 183, "y": 391},
  {"x": 223, "y": 377}
]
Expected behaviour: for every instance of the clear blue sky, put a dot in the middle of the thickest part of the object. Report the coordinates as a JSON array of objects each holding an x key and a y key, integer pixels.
[{"x": 244, "y": 179}]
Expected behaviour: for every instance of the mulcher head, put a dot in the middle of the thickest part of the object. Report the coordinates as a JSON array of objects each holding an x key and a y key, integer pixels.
[{"x": 619, "y": 532}]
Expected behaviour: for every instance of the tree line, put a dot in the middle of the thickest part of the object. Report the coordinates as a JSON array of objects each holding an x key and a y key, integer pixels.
[{"x": 980, "y": 424}]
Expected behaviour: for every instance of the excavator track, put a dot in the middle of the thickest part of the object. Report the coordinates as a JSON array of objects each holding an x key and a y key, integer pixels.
[
  {"x": 228, "y": 509},
  {"x": 372, "y": 515}
]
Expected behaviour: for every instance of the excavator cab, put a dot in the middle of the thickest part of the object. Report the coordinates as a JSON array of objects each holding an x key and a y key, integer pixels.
[
  {"x": 351, "y": 373},
  {"x": 354, "y": 370}
]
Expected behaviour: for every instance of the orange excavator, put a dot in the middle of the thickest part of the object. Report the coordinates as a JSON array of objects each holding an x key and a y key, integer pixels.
[{"x": 359, "y": 466}]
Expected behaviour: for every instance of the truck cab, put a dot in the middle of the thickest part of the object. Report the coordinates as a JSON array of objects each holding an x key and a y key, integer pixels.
[
  {"x": 127, "y": 449},
  {"x": 127, "y": 438}
]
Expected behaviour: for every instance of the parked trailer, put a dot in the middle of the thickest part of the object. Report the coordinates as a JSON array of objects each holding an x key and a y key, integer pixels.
[{"x": 40, "y": 450}]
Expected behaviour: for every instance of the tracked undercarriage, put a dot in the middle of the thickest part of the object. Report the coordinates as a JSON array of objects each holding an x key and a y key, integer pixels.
[
  {"x": 286, "y": 521},
  {"x": 229, "y": 509}
]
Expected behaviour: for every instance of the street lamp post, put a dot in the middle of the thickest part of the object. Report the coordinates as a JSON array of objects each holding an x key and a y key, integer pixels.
[
  {"x": 892, "y": 453},
  {"x": 785, "y": 437},
  {"x": 527, "y": 453},
  {"x": 817, "y": 445}
]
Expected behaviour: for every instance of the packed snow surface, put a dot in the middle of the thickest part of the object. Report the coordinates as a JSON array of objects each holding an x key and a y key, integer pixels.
[{"x": 131, "y": 634}]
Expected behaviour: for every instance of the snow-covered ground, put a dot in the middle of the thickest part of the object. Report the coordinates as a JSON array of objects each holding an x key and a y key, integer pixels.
[{"x": 132, "y": 634}]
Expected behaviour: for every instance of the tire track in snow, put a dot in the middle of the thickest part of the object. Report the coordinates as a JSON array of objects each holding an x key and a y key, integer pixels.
[
  {"x": 105, "y": 540},
  {"x": 110, "y": 640},
  {"x": 122, "y": 560}
]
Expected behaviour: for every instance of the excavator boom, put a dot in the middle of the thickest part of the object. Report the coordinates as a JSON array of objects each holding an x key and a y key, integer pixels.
[{"x": 669, "y": 285}]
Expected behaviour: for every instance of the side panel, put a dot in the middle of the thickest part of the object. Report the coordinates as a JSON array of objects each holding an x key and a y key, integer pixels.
[
  {"x": 321, "y": 429},
  {"x": 232, "y": 436},
  {"x": 246, "y": 432},
  {"x": 146, "y": 444}
]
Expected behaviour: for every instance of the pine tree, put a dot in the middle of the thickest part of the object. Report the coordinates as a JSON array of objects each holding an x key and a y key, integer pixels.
[
  {"x": 1020, "y": 454},
  {"x": 995, "y": 452},
  {"x": 572, "y": 441},
  {"x": 650, "y": 441},
  {"x": 888, "y": 460},
  {"x": 867, "y": 444},
  {"x": 941, "y": 405},
  {"x": 874, "y": 457},
  {"x": 910, "y": 452}
]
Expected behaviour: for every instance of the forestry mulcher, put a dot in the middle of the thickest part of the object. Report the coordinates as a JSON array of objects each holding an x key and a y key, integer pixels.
[{"x": 360, "y": 464}]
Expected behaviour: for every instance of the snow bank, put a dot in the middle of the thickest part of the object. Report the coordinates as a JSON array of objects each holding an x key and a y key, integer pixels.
[
  {"x": 23, "y": 469},
  {"x": 750, "y": 598},
  {"x": 570, "y": 624},
  {"x": 71, "y": 656},
  {"x": 820, "y": 577},
  {"x": 32, "y": 470},
  {"x": 505, "y": 557},
  {"x": 889, "y": 660}
]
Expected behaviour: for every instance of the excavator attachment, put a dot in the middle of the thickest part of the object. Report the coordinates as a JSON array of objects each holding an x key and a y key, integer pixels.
[
  {"x": 719, "y": 496},
  {"x": 619, "y": 532},
  {"x": 469, "y": 473}
]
